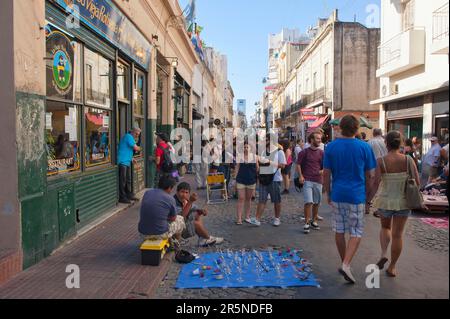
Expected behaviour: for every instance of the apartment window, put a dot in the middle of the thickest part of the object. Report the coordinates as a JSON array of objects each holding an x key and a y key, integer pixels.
[{"x": 408, "y": 15}]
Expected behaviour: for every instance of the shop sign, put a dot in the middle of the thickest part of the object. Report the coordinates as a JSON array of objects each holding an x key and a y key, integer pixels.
[
  {"x": 405, "y": 113},
  {"x": 60, "y": 54},
  {"x": 110, "y": 23}
]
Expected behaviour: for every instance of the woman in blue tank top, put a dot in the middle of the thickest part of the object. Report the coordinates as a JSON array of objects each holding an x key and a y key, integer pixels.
[{"x": 246, "y": 183}]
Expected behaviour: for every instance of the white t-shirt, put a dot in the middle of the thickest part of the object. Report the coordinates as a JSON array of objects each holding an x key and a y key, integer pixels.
[
  {"x": 378, "y": 147},
  {"x": 277, "y": 157},
  {"x": 297, "y": 150},
  {"x": 432, "y": 156}
]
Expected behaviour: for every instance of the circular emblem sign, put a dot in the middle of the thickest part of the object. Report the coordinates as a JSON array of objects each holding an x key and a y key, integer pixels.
[
  {"x": 62, "y": 69},
  {"x": 60, "y": 57}
]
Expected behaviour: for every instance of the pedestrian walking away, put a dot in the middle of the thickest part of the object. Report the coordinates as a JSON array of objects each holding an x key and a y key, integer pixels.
[
  {"x": 351, "y": 164},
  {"x": 391, "y": 177}
]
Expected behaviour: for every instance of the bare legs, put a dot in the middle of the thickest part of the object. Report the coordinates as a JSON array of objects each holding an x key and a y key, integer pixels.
[
  {"x": 347, "y": 251},
  {"x": 244, "y": 203},
  {"x": 392, "y": 229}
]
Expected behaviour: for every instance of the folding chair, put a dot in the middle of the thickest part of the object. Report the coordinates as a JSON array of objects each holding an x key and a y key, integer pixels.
[{"x": 216, "y": 183}]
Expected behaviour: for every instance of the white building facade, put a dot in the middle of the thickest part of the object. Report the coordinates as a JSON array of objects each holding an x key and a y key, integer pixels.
[{"x": 413, "y": 68}]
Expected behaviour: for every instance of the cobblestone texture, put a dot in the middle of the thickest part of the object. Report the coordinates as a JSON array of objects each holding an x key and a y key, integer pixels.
[{"x": 319, "y": 248}]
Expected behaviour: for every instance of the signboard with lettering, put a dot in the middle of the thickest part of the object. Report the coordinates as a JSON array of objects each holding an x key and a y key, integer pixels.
[{"x": 110, "y": 23}]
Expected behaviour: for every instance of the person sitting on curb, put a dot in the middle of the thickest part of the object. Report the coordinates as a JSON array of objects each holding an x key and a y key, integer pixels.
[
  {"x": 158, "y": 215},
  {"x": 193, "y": 216}
]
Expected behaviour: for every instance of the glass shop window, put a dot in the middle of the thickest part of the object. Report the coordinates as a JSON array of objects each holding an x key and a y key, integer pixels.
[
  {"x": 62, "y": 132},
  {"x": 97, "y": 137},
  {"x": 97, "y": 79}
]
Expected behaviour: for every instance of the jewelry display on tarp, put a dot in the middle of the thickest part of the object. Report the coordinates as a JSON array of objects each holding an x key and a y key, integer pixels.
[
  {"x": 259, "y": 271},
  {"x": 239, "y": 270},
  {"x": 278, "y": 270}
]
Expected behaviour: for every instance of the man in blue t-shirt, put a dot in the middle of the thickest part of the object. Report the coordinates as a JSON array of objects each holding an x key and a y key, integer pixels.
[
  {"x": 127, "y": 147},
  {"x": 350, "y": 163}
]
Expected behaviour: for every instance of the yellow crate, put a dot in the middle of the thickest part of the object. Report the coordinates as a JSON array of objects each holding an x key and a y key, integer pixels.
[{"x": 153, "y": 251}]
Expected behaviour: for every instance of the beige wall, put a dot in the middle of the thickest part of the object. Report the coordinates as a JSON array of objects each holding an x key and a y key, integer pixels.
[
  {"x": 156, "y": 17},
  {"x": 9, "y": 206},
  {"x": 360, "y": 84}
]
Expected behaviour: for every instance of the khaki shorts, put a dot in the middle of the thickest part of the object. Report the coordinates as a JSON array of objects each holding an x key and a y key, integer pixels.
[
  {"x": 242, "y": 186},
  {"x": 175, "y": 227}
]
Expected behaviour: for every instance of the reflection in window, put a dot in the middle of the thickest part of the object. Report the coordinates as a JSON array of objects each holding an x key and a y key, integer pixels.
[
  {"x": 139, "y": 123},
  {"x": 122, "y": 81},
  {"x": 62, "y": 138},
  {"x": 98, "y": 137},
  {"x": 98, "y": 84},
  {"x": 138, "y": 98},
  {"x": 138, "y": 108}
]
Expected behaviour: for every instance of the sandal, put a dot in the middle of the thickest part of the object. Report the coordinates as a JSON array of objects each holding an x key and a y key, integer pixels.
[
  {"x": 390, "y": 274},
  {"x": 238, "y": 223},
  {"x": 381, "y": 263}
]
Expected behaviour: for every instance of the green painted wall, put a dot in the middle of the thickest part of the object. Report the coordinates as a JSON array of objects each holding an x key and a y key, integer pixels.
[{"x": 38, "y": 230}]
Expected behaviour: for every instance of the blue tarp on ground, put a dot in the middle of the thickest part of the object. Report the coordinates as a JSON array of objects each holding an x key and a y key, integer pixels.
[{"x": 222, "y": 270}]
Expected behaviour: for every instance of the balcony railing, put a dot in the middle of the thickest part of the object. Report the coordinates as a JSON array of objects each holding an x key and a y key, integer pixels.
[
  {"x": 440, "y": 23},
  {"x": 390, "y": 51},
  {"x": 404, "y": 51}
]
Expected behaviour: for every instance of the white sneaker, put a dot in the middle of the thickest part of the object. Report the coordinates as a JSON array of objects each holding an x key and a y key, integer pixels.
[
  {"x": 218, "y": 240},
  {"x": 320, "y": 218},
  {"x": 255, "y": 222},
  {"x": 306, "y": 228},
  {"x": 276, "y": 222},
  {"x": 346, "y": 272},
  {"x": 203, "y": 242}
]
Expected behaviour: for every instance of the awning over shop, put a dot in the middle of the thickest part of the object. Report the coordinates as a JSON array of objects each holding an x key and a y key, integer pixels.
[{"x": 318, "y": 123}]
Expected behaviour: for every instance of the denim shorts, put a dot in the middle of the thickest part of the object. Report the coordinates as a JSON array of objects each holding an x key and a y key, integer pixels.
[
  {"x": 312, "y": 193},
  {"x": 394, "y": 213},
  {"x": 274, "y": 189},
  {"x": 349, "y": 218}
]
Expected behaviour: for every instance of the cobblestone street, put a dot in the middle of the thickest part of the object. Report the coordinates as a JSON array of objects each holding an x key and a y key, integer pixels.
[{"x": 423, "y": 266}]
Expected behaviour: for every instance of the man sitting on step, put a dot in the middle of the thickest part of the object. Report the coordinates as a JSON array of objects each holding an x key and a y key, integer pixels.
[
  {"x": 158, "y": 215},
  {"x": 193, "y": 216}
]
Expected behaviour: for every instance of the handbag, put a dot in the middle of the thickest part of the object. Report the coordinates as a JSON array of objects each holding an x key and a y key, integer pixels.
[
  {"x": 414, "y": 198},
  {"x": 266, "y": 179}
]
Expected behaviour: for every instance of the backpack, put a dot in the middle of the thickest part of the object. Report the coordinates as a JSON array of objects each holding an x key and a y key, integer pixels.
[{"x": 167, "y": 164}]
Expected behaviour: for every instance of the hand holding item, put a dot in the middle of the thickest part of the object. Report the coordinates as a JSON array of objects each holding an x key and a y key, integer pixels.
[
  {"x": 193, "y": 198},
  {"x": 203, "y": 212}
]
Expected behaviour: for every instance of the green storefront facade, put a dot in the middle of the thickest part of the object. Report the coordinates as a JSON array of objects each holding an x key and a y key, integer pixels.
[{"x": 97, "y": 90}]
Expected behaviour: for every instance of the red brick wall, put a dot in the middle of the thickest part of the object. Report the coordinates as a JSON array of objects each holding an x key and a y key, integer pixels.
[{"x": 10, "y": 266}]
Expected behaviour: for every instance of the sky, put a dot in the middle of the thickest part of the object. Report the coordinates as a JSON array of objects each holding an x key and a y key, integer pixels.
[{"x": 240, "y": 30}]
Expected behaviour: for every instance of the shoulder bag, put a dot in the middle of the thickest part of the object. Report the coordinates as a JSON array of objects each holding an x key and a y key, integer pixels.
[{"x": 414, "y": 198}]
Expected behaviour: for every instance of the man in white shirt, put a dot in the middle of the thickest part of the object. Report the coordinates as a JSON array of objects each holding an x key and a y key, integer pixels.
[
  {"x": 269, "y": 166},
  {"x": 430, "y": 163},
  {"x": 377, "y": 144},
  {"x": 298, "y": 148}
]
